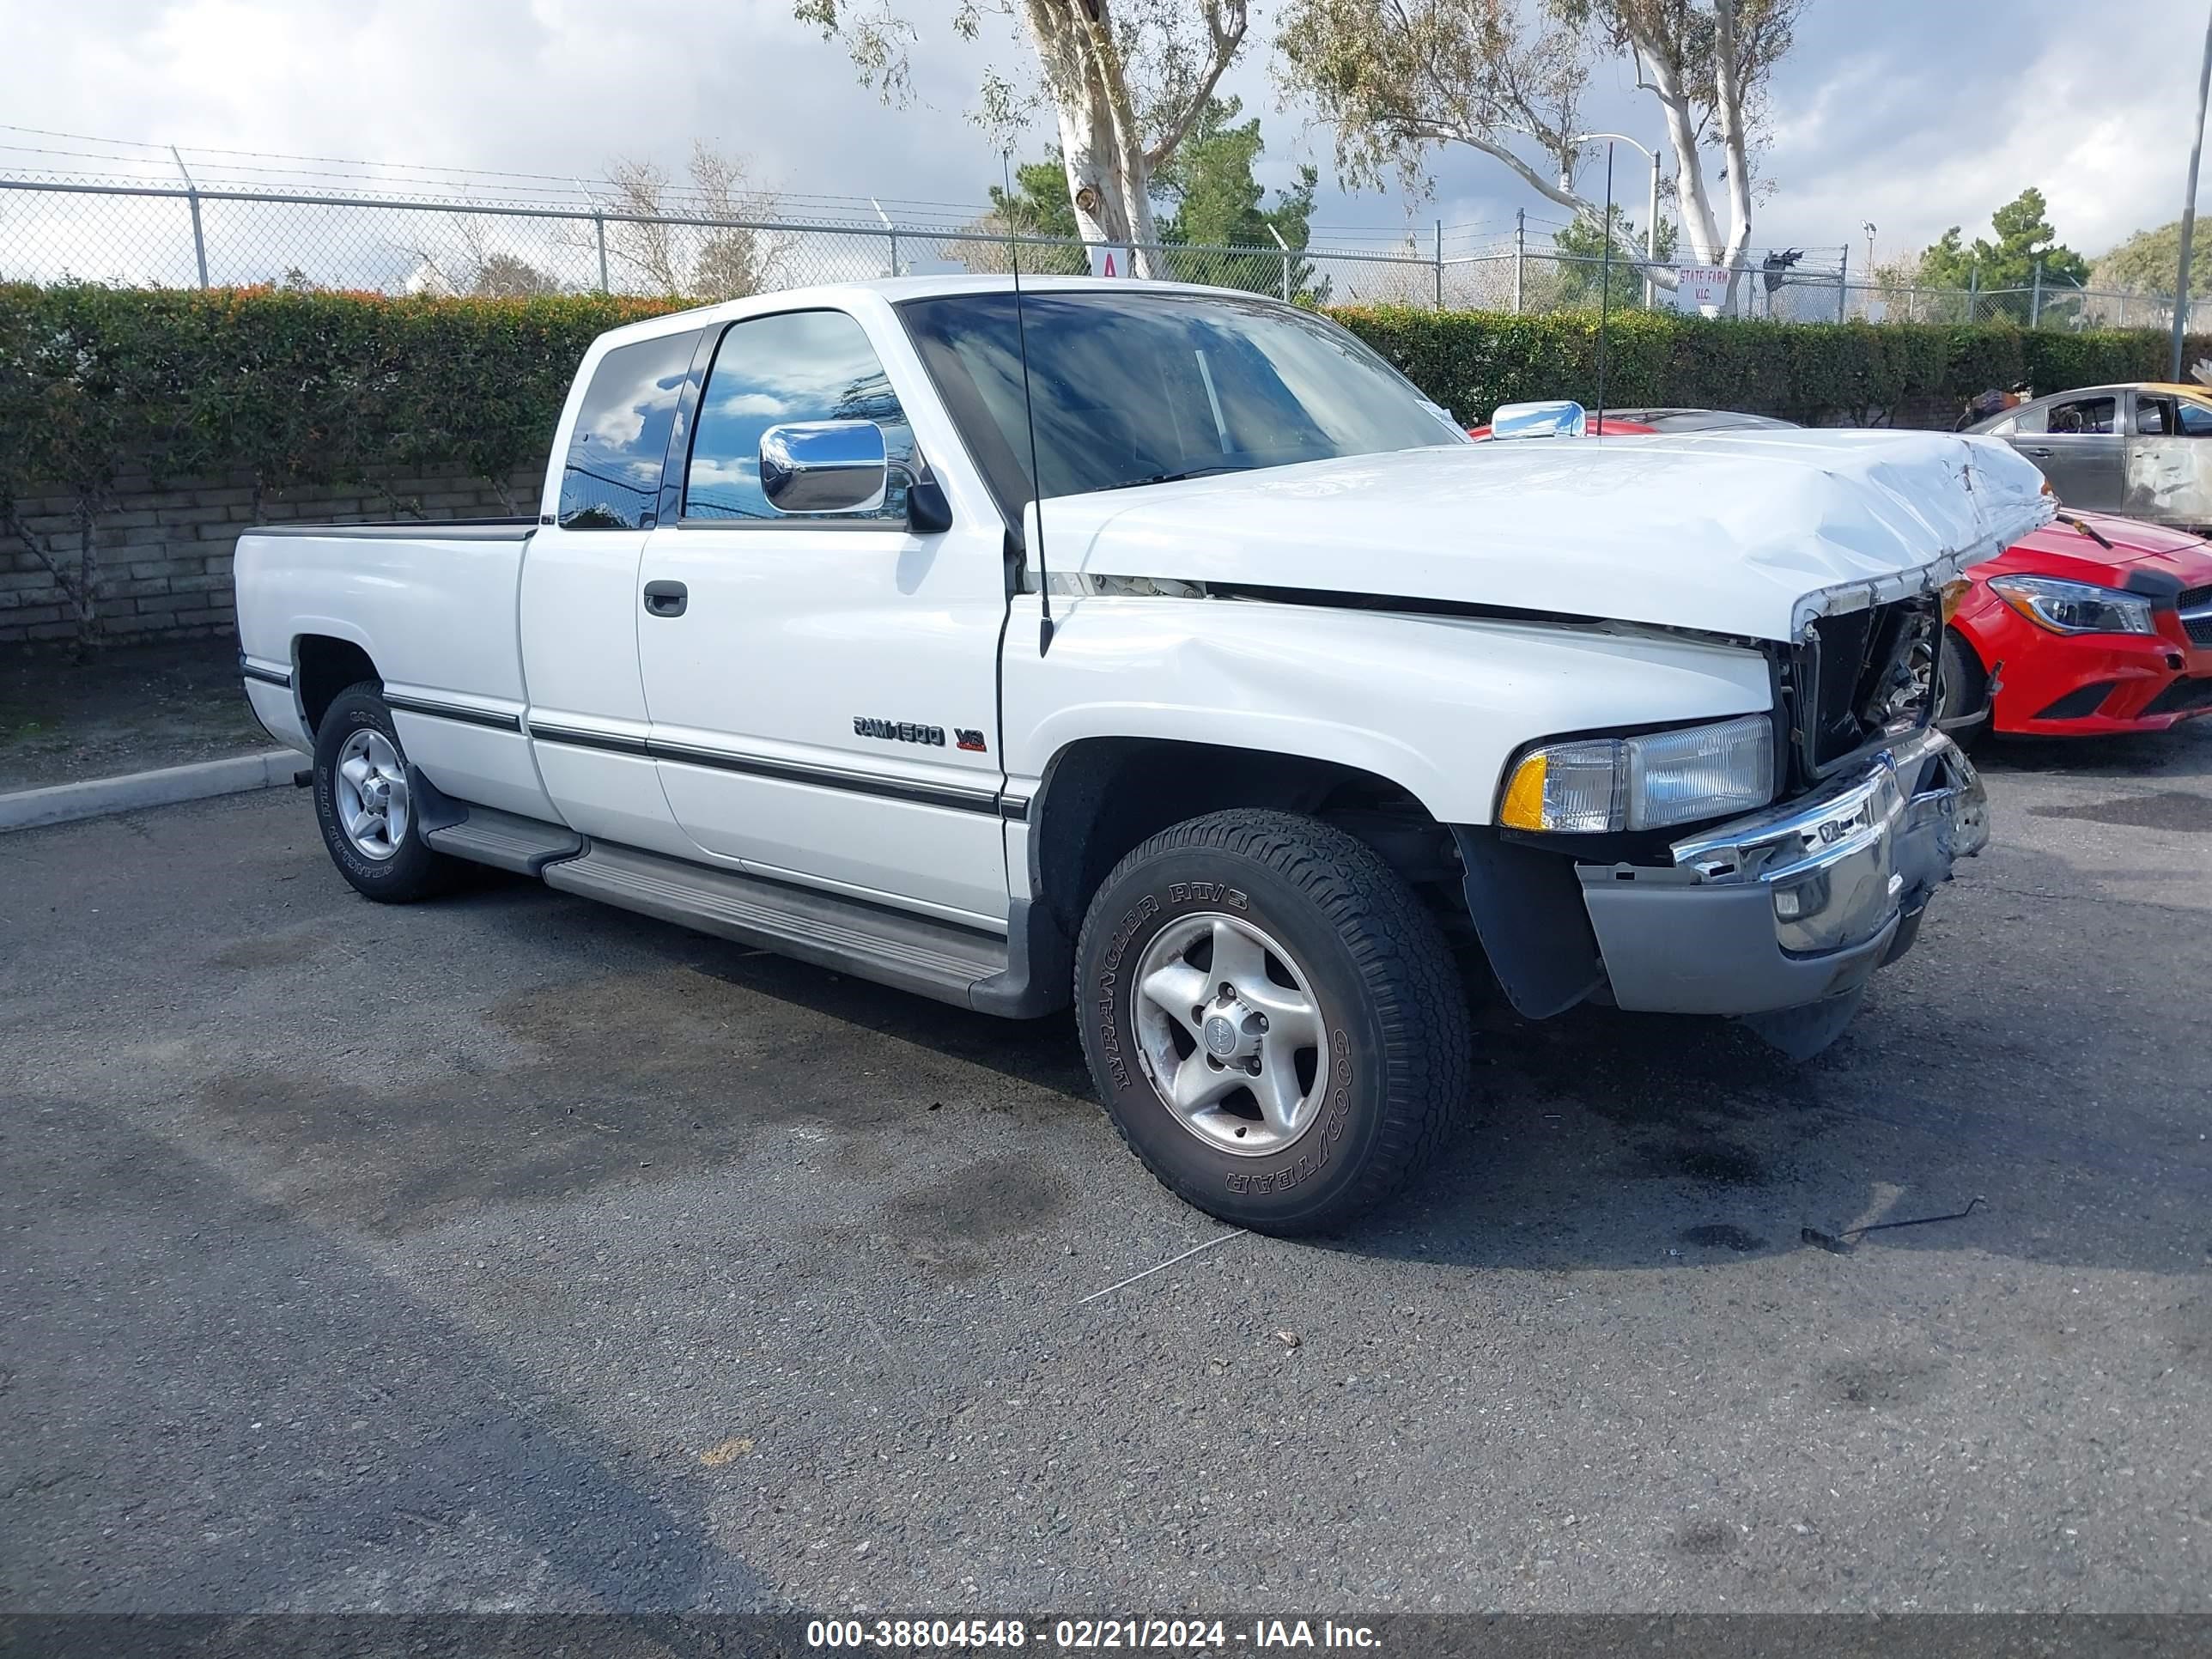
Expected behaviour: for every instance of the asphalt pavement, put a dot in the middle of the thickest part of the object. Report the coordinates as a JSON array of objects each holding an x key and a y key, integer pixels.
[{"x": 511, "y": 1252}]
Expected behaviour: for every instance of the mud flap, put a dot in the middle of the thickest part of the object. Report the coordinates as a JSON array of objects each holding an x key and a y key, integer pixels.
[
  {"x": 1527, "y": 906},
  {"x": 1801, "y": 1033}
]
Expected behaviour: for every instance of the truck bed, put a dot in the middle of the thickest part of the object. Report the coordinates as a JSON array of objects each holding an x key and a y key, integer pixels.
[{"x": 433, "y": 604}]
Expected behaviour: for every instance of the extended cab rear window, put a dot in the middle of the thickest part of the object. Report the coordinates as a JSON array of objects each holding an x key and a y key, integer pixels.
[{"x": 611, "y": 480}]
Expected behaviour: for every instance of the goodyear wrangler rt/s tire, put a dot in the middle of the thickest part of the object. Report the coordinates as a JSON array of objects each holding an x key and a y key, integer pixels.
[{"x": 1274, "y": 1023}]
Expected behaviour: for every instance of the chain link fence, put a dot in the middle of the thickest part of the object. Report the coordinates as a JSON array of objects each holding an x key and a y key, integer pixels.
[{"x": 146, "y": 234}]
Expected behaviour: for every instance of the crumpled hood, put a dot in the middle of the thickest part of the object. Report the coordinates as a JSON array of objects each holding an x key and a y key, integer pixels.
[{"x": 1742, "y": 532}]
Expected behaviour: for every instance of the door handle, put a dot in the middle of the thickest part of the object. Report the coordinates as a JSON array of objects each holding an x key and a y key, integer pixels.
[
  {"x": 2036, "y": 451},
  {"x": 665, "y": 599}
]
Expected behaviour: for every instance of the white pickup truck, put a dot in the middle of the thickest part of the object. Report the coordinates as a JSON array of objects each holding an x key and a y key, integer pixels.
[{"x": 1338, "y": 717}]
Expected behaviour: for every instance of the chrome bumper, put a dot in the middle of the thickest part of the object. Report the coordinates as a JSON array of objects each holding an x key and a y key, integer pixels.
[{"x": 1796, "y": 904}]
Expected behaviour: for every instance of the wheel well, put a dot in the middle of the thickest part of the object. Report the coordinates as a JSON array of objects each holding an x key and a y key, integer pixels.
[
  {"x": 1104, "y": 796},
  {"x": 1971, "y": 655},
  {"x": 322, "y": 667},
  {"x": 1952, "y": 631}
]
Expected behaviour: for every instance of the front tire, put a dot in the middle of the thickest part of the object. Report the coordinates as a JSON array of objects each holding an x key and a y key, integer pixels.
[
  {"x": 1274, "y": 1023},
  {"x": 365, "y": 803},
  {"x": 1962, "y": 688}
]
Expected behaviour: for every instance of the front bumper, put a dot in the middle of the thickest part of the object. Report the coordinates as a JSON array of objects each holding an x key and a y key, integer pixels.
[
  {"x": 1796, "y": 904},
  {"x": 2081, "y": 685}
]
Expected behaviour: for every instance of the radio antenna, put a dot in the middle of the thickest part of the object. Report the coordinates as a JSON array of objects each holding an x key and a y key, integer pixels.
[
  {"x": 1029, "y": 412},
  {"x": 1604, "y": 292}
]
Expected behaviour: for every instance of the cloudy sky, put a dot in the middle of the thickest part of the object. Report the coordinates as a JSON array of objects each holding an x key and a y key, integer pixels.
[{"x": 1911, "y": 114}]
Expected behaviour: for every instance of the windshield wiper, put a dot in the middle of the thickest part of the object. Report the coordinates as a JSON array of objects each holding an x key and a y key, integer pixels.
[
  {"x": 1176, "y": 478},
  {"x": 2087, "y": 529}
]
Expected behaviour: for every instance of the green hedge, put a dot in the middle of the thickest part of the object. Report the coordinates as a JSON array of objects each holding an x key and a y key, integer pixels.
[
  {"x": 326, "y": 388},
  {"x": 1820, "y": 373},
  {"x": 98, "y": 383},
  {"x": 293, "y": 387}
]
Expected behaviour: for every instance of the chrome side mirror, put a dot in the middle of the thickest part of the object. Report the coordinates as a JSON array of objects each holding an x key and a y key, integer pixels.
[
  {"x": 1562, "y": 419},
  {"x": 825, "y": 467}
]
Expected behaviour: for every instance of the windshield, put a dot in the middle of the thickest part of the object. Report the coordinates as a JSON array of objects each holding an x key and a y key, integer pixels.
[{"x": 1141, "y": 386}]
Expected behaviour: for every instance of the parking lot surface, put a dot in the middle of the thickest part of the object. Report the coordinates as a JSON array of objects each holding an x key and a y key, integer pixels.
[{"x": 511, "y": 1252}]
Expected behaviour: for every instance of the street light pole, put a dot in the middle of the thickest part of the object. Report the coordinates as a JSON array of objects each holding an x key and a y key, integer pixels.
[
  {"x": 2188, "y": 207},
  {"x": 1650, "y": 213},
  {"x": 1651, "y": 236}
]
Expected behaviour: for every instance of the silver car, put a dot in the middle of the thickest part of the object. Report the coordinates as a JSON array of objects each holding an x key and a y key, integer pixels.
[
  {"x": 1693, "y": 420},
  {"x": 2139, "y": 449}
]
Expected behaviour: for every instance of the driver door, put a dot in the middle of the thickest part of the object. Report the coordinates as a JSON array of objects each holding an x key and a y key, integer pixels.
[{"x": 823, "y": 688}]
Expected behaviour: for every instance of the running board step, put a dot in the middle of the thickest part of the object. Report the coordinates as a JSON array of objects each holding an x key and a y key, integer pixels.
[
  {"x": 890, "y": 946},
  {"x": 505, "y": 840}
]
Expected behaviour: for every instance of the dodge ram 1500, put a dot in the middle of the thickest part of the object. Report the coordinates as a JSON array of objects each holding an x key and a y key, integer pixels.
[{"x": 1338, "y": 719}]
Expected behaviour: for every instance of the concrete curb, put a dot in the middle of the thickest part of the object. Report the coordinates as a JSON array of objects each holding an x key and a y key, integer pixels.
[{"x": 26, "y": 809}]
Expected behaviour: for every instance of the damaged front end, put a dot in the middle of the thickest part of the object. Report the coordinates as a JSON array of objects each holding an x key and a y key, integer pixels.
[
  {"x": 1782, "y": 916},
  {"x": 1779, "y": 915}
]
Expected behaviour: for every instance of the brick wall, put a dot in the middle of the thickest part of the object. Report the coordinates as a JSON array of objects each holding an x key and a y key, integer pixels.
[{"x": 165, "y": 553}]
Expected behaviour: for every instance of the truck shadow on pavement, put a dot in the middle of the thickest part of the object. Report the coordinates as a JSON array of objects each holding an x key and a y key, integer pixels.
[
  {"x": 1610, "y": 1139},
  {"x": 368, "y": 1453}
]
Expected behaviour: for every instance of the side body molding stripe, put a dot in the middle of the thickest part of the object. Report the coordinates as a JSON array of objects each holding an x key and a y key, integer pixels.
[
  {"x": 451, "y": 711},
  {"x": 254, "y": 671},
  {"x": 950, "y": 796}
]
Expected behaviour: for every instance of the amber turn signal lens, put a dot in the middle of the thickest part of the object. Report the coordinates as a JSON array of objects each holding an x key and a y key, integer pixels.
[{"x": 1524, "y": 796}]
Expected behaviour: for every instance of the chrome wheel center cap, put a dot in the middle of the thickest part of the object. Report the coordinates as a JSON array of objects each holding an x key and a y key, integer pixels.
[
  {"x": 1226, "y": 1044},
  {"x": 1231, "y": 1032}
]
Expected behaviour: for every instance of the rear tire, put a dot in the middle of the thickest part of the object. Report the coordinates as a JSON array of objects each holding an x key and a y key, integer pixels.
[
  {"x": 1273, "y": 1022},
  {"x": 365, "y": 803}
]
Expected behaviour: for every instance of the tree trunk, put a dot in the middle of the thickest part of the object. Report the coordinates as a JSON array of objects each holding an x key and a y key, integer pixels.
[
  {"x": 75, "y": 580},
  {"x": 1693, "y": 208},
  {"x": 1108, "y": 182},
  {"x": 84, "y": 590},
  {"x": 1110, "y": 207},
  {"x": 1728, "y": 85}
]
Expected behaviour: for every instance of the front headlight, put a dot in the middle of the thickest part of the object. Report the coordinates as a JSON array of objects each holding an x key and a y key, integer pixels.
[
  {"x": 2065, "y": 607},
  {"x": 1596, "y": 784}
]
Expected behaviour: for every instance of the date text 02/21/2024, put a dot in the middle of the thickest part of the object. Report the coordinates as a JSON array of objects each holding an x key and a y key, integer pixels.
[{"x": 1193, "y": 1636}]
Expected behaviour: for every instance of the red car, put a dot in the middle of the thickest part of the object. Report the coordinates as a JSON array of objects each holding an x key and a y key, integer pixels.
[
  {"x": 1642, "y": 422},
  {"x": 1601, "y": 426},
  {"x": 2093, "y": 624}
]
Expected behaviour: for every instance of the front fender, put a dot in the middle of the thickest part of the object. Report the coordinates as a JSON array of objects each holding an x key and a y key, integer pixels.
[{"x": 1437, "y": 705}]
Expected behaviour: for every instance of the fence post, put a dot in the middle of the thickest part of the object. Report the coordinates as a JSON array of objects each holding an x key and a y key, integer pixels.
[
  {"x": 2123, "y": 322},
  {"x": 599, "y": 220},
  {"x": 1519, "y": 253},
  {"x": 192, "y": 197},
  {"x": 1843, "y": 282},
  {"x": 1286, "y": 248},
  {"x": 1974, "y": 290},
  {"x": 890, "y": 229},
  {"x": 2035, "y": 297},
  {"x": 1440, "y": 264}
]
